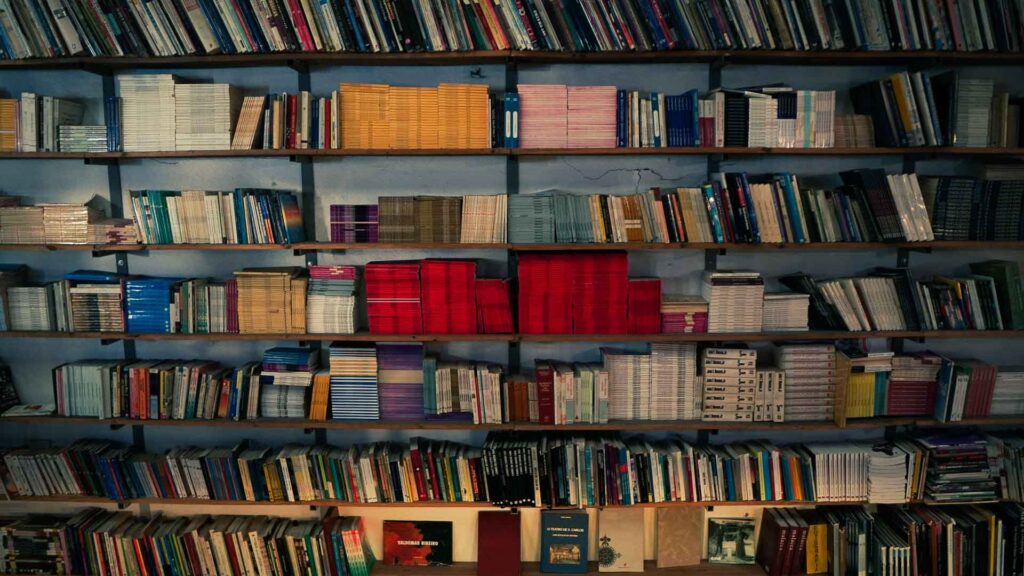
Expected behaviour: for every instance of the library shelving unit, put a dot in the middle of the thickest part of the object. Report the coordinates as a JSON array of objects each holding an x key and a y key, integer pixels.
[{"x": 304, "y": 63}]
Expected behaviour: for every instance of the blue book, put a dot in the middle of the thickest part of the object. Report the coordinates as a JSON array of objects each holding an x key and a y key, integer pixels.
[
  {"x": 659, "y": 37},
  {"x": 240, "y": 227},
  {"x": 748, "y": 200},
  {"x": 787, "y": 483},
  {"x": 791, "y": 207},
  {"x": 213, "y": 17},
  {"x": 692, "y": 99},
  {"x": 712, "y": 207},
  {"x": 564, "y": 541},
  {"x": 933, "y": 112},
  {"x": 355, "y": 26},
  {"x": 254, "y": 28},
  {"x": 943, "y": 389},
  {"x": 514, "y": 101},
  {"x": 730, "y": 481},
  {"x": 671, "y": 121},
  {"x": 881, "y": 393},
  {"x": 656, "y": 120}
]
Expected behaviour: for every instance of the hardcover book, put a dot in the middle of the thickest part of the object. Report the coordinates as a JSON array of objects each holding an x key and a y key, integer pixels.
[
  {"x": 680, "y": 534},
  {"x": 730, "y": 541},
  {"x": 499, "y": 550},
  {"x": 620, "y": 540},
  {"x": 417, "y": 543},
  {"x": 564, "y": 541}
]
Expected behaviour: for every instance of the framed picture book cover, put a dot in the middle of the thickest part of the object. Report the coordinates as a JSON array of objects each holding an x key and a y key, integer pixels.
[
  {"x": 731, "y": 541},
  {"x": 417, "y": 543}
]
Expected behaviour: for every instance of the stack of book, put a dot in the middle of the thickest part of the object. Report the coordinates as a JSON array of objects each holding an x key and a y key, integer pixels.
[
  {"x": 363, "y": 115},
  {"x": 400, "y": 381},
  {"x": 41, "y": 118},
  {"x": 30, "y": 308},
  {"x": 249, "y": 123},
  {"x": 147, "y": 112},
  {"x": 854, "y": 131},
  {"x": 354, "y": 393},
  {"x": 591, "y": 115},
  {"x": 241, "y": 216},
  {"x": 964, "y": 390},
  {"x": 150, "y": 306},
  {"x": 911, "y": 387},
  {"x": 204, "y": 116},
  {"x": 448, "y": 296},
  {"x": 34, "y": 543},
  {"x": 47, "y": 223},
  {"x": 644, "y": 306},
  {"x": 888, "y": 483},
  {"x": 398, "y": 219},
  {"x": 543, "y": 115},
  {"x": 271, "y": 301},
  {"x": 811, "y": 381},
  {"x": 730, "y": 383},
  {"x": 674, "y": 391},
  {"x": 464, "y": 116},
  {"x": 113, "y": 231},
  {"x": 94, "y": 301},
  {"x": 785, "y": 312},
  {"x": 331, "y": 300},
  {"x": 10, "y": 275},
  {"x": 493, "y": 306},
  {"x": 629, "y": 384},
  {"x": 79, "y": 139},
  {"x": 915, "y": 109},
  {"x": 354, "y": 223},
  {"x": 9, "y": 118},
  {"x": 683, "y": 314},
  {"x": 531, "y": 219},
  {"x": 600, "y": 282},
  {"x": 439, "y": 218},
  {"x": 204, "y": 307},
  {"x": 735, "y": 301},
  {"x": 285, "y": 381},
  {"x": 770, "y": 395},
  {"x": 545, "y": 293},
  {"x": 287, "y": 122},
  {"x": 867, "y": 384},
  {"x": 484, "y": 219},
  {"x": 658, "y": 120},
  {"x": 1008, "y": 395},
  {"x": 393, "y": 297},
  {"x": 412, "y": 117},
  {"x": 449, "y": 388},
  {"x": 959, "y": 468}
]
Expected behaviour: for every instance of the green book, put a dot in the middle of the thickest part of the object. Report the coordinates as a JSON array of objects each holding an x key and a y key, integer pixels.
[{"x": 1006, "y": 275}]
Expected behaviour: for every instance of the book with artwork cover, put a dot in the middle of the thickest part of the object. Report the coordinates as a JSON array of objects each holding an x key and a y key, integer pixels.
[
  {"x": 417, "y": 543},
  {"x": 564, "y": 541}
]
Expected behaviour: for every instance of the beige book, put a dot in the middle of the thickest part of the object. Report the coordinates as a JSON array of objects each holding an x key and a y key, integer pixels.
[{"x": 680, "y": 534}]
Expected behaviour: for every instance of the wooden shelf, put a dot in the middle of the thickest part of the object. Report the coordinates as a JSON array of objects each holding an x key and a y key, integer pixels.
[
  {"x": 783, "y": 57},
  {"x": 564, "y": 247},
  {"x": 521, "y": 152},
  {"x": 533, "y": 569},
  {"x": 615, "y": 426},
  {"x": 702, "y": 337}
]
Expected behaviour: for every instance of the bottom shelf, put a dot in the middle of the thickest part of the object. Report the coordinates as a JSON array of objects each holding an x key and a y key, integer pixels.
[{"x": 533, "y": 569}]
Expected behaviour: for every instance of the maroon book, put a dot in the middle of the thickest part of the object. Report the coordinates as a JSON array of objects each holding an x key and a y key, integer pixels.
[
  {"x": 546, "y": 393},
  {"x": 498, "y": 544}
]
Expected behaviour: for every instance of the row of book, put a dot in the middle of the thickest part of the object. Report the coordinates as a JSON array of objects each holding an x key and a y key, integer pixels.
[
  {"x": 535, "y": 470},
  {"x": 94, "y": 541},
  {"x": 35, "y": 29},
  {"x": 61, "y": 224},
  {"x": 476, "y": 219},
  {"x": 883, "y": 540}
]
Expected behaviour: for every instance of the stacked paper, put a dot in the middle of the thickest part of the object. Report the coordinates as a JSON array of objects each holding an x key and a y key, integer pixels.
[
  {"x": 730, "y": 382},
  {"x": 543, "y": 119},
  {"x": 287, "y": 374},
  {"x": 785, "y": 312},
  {"x": 629, "y": 384},
  {"x": 674, "y": 393},
  {"x": 400, "y": 378},
  {"x": 22, "y": 225},
  {"x": 1008, "y": 396},
  {"x": 644, "y": 306},
  {"x": 354, "y": 223},
  {"x": 354, "y": 382},
  {"x": 493, "y": 307},
  {"x": 888, "y": 468},
  {"x": 810, "y": 393},
  {"x": 147, "y": 112},
  {"x": 30, "y": 308},
  {"x": 531, "y": 219},
  {"x": 204, "y": 116},
  {"x": 393, "y": 297},
  {"x": 683, "y": 314},
  {"x": 592, "y": 115},
  {"x": 448, "y": 296},
  {"x": 271, "y": 301},
  {"x": 412, "y": 118},
  {"x": 912, "y": 384},
  {"x": 600, "y": 293},
  {"x": 331, "y": 300},
  {"x": 484, "y": 219},
  {"x": 735, "y": 301}
]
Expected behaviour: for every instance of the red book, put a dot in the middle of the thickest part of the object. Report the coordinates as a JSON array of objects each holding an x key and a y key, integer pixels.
[
  {"x": 644, "y": 310},
  {"x": 299, "y": 23},
  {"x": 546, "y": 393},
  {"x": 293, "y": 107},
  {"x": 417, "y": 469},
  {"x": 499, "y": 544},
  {"x": 493, "y": 307},
  {"x": 448, "y": 296}
]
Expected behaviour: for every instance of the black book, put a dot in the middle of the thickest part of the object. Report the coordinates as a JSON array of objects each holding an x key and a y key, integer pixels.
[
  {"x": 944, "y": 89},
  {"x": 879, "y": 200},
  {"x": 737, "y": 118},
  {"x": 871, "y": 99},
  {"x": 821, "y": 314}
]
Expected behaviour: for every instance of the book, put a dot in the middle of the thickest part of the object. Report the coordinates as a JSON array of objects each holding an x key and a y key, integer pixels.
[
  {"x": 730, "y": 541},
  {"x": 417, "y": 543},
  {"x": 673, "y": 551},
  {"x": 564, "y": 541},
  {"x": 499, "y": 543},
  {"x": 620, "y": 540}
]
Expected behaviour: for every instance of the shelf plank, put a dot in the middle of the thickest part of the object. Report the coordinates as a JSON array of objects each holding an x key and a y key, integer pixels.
[
  {"x": 522, "y": 152},
  {"x": 615, "y": 426},
  {"x": 533, "y": 569},
  {"x": 782, "y": 57},
  {"x": 701, "y": 337},
  {"x": 630, "y": 246}
]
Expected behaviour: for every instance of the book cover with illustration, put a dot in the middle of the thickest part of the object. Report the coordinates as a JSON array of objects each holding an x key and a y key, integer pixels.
[
  {"x": 417, "y": 543},
  {"x": 564, "y": 541}
]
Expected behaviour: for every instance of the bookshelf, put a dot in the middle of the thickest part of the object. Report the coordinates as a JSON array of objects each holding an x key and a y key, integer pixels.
[{"x": 513, "y": 62}]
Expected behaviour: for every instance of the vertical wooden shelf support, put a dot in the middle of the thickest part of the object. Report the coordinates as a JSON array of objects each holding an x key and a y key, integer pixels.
[{"x": 511, "y": 256}]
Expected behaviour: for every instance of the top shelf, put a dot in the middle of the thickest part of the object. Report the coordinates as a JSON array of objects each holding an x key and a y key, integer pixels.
[{"x": 305, "y": 59}]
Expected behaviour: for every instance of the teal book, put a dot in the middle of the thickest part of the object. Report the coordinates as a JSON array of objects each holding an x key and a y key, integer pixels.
[{"x": 564, "y": 541}]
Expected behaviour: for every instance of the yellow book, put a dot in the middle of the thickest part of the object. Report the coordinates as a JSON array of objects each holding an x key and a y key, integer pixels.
[{"x": 817, "y": 547}]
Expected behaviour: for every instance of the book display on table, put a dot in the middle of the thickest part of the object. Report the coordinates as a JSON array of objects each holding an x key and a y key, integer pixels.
[{"x": 625, "y": 358}]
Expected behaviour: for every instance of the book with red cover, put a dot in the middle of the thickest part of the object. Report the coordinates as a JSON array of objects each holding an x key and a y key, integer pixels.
[
  {"x": 545, "y": 293},
  {"x": 493, "y": 307},
  {"x": 448, "y": 296},
  {"x": 644, "y": 311},
  {"x": 600, "y": 293},
  {"x": 498, "y": 544},
  {"x": 417, "y": 543},
  {"x": 393, "y": 297}
]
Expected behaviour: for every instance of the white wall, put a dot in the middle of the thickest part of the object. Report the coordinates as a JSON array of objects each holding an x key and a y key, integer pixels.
[{"x": 359, "y": 180}]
